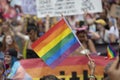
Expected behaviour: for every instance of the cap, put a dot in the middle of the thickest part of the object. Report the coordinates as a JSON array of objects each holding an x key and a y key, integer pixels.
[
  {"x": 101, "y": 21},
  {"x": 12, "y": 52}
]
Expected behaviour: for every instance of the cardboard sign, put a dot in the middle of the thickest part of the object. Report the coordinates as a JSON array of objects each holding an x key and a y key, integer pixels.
[
  {"x": 115, "y": 11},
  {"x": 67, "y": 7}
]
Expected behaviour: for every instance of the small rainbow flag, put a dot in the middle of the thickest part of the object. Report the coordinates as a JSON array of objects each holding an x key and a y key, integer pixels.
[
  {"x": 56, "y": 44},
  {"x": 110, "y": 52}
]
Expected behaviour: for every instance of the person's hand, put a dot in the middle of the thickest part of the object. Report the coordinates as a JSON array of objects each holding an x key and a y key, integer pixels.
[
  {"x": 91, "y": 65},
  {"x": 17, "y": 28},
  {"x": 114, "y": 71}
]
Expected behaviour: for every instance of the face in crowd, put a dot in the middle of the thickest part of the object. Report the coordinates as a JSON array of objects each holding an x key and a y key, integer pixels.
[
  {"x": 8, "y": 59},
  {"x": 9, "y": 40}
]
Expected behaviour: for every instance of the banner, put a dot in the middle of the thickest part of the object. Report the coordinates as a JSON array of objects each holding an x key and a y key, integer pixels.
[
  {"x": 67, "y": 7},
  {"x": 115, "y": 11},
  {"x": 72, "y": 68},
  {"x": 29, "y": 7}
]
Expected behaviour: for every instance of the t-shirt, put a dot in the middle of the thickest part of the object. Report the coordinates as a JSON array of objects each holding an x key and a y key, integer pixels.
[
  {"x": 115, "y": 31},
  {"x": 104, "y": 37}
]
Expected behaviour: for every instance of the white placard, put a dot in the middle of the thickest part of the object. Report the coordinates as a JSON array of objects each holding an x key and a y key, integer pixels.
[{"x": 67, "y": 7}]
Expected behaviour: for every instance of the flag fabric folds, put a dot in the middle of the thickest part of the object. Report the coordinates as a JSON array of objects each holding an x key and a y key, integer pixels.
[
  {"x": 111, "y": 52},
  {"x": 56, "y": 44}
]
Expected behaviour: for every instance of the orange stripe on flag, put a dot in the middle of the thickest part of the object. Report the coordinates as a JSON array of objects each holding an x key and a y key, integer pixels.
[
  {"x": 50, "y": 37},
  {"x": 62, "y": 22}
]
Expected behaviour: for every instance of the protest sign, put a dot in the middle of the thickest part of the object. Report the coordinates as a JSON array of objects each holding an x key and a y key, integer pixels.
[
  {"x": 115, "y": 11},
  {"x": 29, "y": 7},
  {"x": 92, "y": 6},
  {"x": 67, "y": 7}
]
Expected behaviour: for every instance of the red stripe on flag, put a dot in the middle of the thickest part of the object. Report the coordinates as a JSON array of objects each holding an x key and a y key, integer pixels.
[{"x": 49, "y": 32}]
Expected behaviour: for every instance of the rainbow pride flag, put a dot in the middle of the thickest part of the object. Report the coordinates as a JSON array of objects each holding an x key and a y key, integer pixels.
[
  {"x": 56, "y": 44},
  {"x": 110, "y": 52}
]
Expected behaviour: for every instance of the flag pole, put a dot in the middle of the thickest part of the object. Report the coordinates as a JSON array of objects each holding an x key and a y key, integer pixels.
[{"x": 77, "y": 39}]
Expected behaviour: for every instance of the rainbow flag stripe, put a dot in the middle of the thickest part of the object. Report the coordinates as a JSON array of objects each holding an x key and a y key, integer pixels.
[
  {"x": 56, "y": 44},
  {"x": 110, "y": 52}
]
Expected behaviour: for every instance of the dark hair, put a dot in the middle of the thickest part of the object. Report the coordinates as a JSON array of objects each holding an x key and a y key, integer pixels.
[
  {"x": 12, "y": 52},
  {"x": 81, "y": 23},
  {"x": 32, "y": 27},
  {"x": 31, "y": 54},
  {"x": 49, "y": 77}
]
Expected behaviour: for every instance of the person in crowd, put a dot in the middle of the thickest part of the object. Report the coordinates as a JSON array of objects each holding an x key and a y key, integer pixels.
[
  {"x": 9, "y": 42},
  {"x": 31, "y": 36},
  {"x": 41, "y": 27},
  {"x": 86, "y": 41},
  {"x": 14, "y": 70},
  {"x": 8, "y": 12},
  {"x": 10, "y": 58},
  {"x": 32, "y": 31},
  {"x": 6, "y": 28},
  {"x": 113, "y": 31},
  {"x": 104, "y": 33},
  {"x": 90, "y": 21}
]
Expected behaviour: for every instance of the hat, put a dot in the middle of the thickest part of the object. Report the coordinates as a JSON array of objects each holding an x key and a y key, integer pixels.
[
  {"x": 12, "y": 52},
  {"x": 101, "y": 21}
]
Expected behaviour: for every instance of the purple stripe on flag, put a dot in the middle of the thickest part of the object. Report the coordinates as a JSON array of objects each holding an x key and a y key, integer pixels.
[{"x": 61, "y": 58}]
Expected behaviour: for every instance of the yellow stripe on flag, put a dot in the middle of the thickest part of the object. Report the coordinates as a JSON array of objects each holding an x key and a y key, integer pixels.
[
  {"x": 49, "y": 38},
  {"x": 55, "y": 41}
]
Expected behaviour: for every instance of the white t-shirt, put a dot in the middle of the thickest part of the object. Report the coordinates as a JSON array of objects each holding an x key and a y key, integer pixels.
[
  {"x": 115, "y": 31},
  {"x": 104, "y": 37}
]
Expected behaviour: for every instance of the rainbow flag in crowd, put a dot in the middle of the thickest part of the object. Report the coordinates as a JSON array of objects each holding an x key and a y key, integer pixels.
[
  {"x": 56, "y": 44},
  {"x": 110, "y": 52}
]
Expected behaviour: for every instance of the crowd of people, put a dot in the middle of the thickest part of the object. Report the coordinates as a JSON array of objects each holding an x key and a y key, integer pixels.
[{"x": 18, "y": 31}]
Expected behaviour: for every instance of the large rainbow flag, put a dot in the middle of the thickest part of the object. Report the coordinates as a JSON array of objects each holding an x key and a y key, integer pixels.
[
  {"x": 72, "y": 68},
  {"x": 56, "y": 44}
]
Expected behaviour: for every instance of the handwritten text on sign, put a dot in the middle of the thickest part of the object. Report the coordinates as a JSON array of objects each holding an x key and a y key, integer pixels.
[
  {"x": 115, "y": 11},
  {"x": 67, "y": 7}
]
